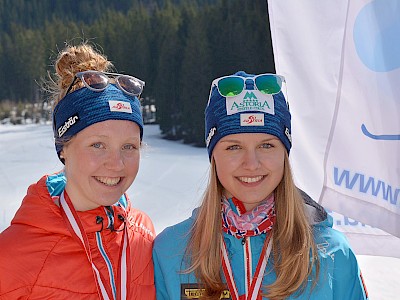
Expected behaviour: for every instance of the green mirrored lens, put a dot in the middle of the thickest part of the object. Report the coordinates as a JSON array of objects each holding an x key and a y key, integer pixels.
[
  {"x": 230, "y": 86},
  {"x": 269, "y": 84}
]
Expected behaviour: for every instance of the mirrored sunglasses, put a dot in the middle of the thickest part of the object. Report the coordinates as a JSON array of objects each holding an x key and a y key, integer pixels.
[
  {"x": 233, "y": 85},
  {"x": 98, "y": 81}
]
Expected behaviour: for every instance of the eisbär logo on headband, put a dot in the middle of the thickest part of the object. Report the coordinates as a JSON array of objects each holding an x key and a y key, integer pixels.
[
  {"x": 120, "y": 106},
  {"x": 67, "y": 125},
  {"x": 250, "y": 100}
]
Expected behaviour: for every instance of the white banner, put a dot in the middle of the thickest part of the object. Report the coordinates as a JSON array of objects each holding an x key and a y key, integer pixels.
[{"x": 341, "y": 60}]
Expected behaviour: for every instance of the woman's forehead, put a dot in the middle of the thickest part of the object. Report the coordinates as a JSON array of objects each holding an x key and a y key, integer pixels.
[{"x": 248, "y": 137}]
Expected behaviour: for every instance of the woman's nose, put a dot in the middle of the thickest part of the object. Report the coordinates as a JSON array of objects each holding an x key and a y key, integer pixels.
[
  {"x": 251, "y": 160},
  {"x": 115, "y": 160}
]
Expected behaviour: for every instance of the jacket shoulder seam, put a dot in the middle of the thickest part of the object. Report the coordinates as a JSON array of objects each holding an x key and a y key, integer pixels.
[{"x": 45, "y": 260}]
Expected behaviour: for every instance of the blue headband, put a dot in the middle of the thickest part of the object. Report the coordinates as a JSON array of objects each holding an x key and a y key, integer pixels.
[
  {"x": 249, "y": 112},
  {"x": 84, "y": 107}
]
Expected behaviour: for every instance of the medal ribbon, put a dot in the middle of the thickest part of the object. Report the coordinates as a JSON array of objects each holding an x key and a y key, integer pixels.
[
  {"x": 75, "y": 226},
  {"x": 253, "y": 285}
]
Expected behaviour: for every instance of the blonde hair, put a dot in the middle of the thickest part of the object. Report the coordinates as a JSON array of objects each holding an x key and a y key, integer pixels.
[
  {"x": 293, "y": 242},
  {"x": 70, "y": 61}
]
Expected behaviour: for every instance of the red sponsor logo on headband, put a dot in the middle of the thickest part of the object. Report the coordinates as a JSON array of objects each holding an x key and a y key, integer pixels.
[
  {"x": 252, "y": 120},
  {"x": 120, "y": 106}
]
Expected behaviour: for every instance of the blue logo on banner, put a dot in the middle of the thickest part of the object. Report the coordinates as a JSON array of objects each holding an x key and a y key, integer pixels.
[
  {"x": 376, "y": 37},
  {"x": 379, "y": 136},
  {"x": 365, "y": 184}
]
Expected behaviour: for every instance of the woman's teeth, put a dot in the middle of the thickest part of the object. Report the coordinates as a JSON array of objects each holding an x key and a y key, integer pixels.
[
  {"x": 251, "y": 179},
  {"x": 110, "y": 181}
]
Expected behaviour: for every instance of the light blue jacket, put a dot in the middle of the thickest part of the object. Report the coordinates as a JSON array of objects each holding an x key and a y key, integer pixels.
[{"x": 339, "y": 273}]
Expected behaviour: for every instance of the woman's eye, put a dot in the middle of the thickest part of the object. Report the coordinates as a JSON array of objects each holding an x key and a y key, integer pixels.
[
  {"x": 267, "y": 146},
  {"x": 129, "y": 147},
  {"x": 233, "y": 147},
  {"x": 97, "y": 145}
]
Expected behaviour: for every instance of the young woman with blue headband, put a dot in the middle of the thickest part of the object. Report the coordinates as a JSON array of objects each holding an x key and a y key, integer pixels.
[
  {"x": 76, "y": 234},
  {"x": 255, "y": 234}
]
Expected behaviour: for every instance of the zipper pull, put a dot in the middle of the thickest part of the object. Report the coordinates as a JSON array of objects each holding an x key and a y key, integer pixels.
[{"x": 243, "y": 241}]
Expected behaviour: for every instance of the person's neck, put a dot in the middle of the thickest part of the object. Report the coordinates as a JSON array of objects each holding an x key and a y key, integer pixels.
[
  {"x": 78, "y": 205},
  {"x": 245, "y": 206}
]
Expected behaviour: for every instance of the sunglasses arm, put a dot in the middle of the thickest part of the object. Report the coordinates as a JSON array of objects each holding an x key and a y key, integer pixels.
[{"x": 71, "y": 85}]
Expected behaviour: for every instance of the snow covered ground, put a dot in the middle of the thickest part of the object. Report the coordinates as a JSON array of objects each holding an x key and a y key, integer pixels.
[{"x": 169, "y": 185}]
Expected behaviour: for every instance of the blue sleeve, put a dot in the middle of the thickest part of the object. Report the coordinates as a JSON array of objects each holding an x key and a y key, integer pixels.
[
  {"x": 161, "y": 289},
  {"x": 168, "y": 252},
  {"x": 347, "y": 279},
  {"x": 168, "y": 257}
]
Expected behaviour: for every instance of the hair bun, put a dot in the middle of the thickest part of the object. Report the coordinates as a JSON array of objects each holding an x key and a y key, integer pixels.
[{"x": 74, "y": 59}]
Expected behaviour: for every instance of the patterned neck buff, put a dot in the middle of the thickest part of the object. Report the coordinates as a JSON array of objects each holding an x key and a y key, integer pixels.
[{"x": 239, "y": 223}]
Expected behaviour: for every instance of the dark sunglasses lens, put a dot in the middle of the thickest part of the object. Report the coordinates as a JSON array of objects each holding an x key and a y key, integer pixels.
[
  {"x": 269, "y": 84},
  {"x": 230, "y": 86},
  {"x": 96, "y": 81},
  {"x": 130, "y": 85}
]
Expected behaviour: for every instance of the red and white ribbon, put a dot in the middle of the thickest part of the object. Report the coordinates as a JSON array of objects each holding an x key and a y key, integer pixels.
[
  {"x": 252, "y": 284},
  {"x": 71, "y": 217}
]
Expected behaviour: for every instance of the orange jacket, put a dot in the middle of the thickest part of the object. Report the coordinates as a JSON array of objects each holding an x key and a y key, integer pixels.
[{"x": 39, "y": 258}]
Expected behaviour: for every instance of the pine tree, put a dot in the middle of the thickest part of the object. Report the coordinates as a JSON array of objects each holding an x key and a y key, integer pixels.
[
  {"x": 195, "y": 80},
  {"x": 169, "y": 49}
]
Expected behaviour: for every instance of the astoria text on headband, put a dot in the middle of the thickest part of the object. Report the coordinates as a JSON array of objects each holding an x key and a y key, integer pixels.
[{"x": 247, "y": 103}]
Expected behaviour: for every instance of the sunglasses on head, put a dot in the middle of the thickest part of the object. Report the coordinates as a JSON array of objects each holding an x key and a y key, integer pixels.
[
  {"x": 98, "y": 81},
  {"x": 233, "y": 85}
]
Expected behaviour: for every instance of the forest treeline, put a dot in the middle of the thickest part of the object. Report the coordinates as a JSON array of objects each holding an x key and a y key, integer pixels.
[{"x": 176, "y": 47}]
